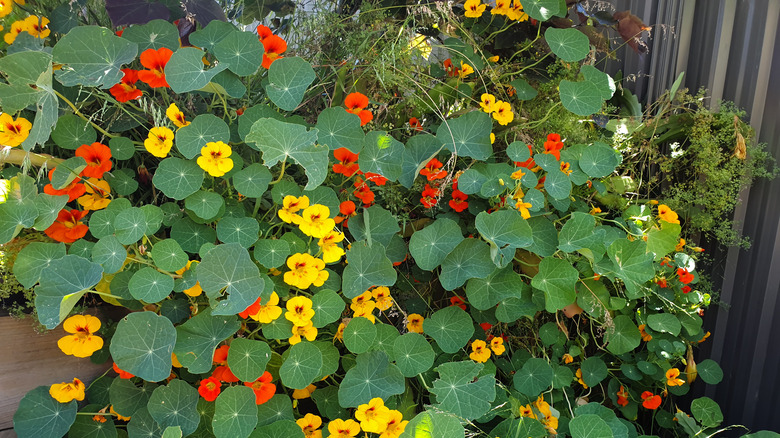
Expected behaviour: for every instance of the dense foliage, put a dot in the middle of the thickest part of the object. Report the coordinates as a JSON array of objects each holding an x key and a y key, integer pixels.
[{"x": 409, "y": 234}]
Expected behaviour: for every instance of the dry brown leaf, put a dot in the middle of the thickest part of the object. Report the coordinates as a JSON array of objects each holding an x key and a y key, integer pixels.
[
  {"x": 630, "y": 28},
  {"x": 740, "y": 149}
]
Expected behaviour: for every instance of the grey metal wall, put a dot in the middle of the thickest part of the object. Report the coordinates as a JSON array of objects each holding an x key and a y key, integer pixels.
[{"x": 729, "y": 46}]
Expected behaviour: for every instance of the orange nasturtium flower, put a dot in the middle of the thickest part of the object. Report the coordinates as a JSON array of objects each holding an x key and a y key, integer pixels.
[
  {"x": 432, "y": 170},
  {"x": 415, "y": 124},
  {"x": 155, "y": 61},
  {"x": 274, "y": 46},
  {"x": 429, "y": 195},
  {"x": 339, "y": 428},
  {"x": 673, "y": 377},
  {"x": 479, "y": 351},
  {"x": 347, "y": 162},
  {"x": 263, "y": 32},
  {"x": 210, "y": 388},
  {"x": 567, "y": 358},
  {"x": 578, "y": 374},
  {"x": 98, "y": 158},
  {"x": 622, "y": 396},
  {"x": 126, "y": 90},
  {"x": 684, "y": 276},
  {"x": 290, "y": 207},
  {"x": 458, "y": 201},
  {"x": 263, "y": 388},
  {"x": 66, "y": 392},
  {"x": 373, "y": 416},
  {"x": 221, "y": 354},
  {"x": 223, "y": 374},
  {"x": 83, "y": 341},
  {"x": 97, "y": 195},
  {"x": 356, "y": 103},
  {"x": 13, "y": 132},
  {"x": 299, "y": 310},
  {"x": 651, "y": 401},
  {"x": 415, "y": 324},
  {"x": 553, "y": 145},
  {"x": 176, "y": 116},
  {"x": 251, "y": 309},
  {"x": 214, "y": 158},
  {"x": 122, "y": 373},
  {"x": 74, "y": 190},
  {"x": 474, "y": 8},
  {"x": 347, "y": 210},
  {"x": 645, "y": 336},
  {"x": 68, "y": 227},
  {"x": 310, "y": 424},
  {"x": 300, "y": 394},
  {"x": 159, "y": 142},
  {"x": 6, "y": 7},
  {"x": 666, "y": 214}
]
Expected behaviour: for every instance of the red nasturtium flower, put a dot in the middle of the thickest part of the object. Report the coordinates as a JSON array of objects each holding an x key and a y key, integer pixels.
[
  {"x": 452, "y": 71},
  {"x": 433, "y": 171},
  {"x": 486, "y": 326},
  {"x": 415, "y": 124},
  {"x": 251, "y": 310},
  {"x": 122, "y": 373},
  {"x": 347, "y": 210},
  {"x": 347, "y": 162},
  {"x": 686, "y": 289},
  {"x": 221, "y": 354},
  {"x": 263, "y": 32},
  {"x": 223, "y": 374},
  {"x": 375, "y": 178},
  {"x": 356, "y": 103},
  {"x": 68, "y": 227},
  {"x": 274, "y": 47},
  {"x": 457, "y": 300},
  {"x": 458, "y": 201},
  {"x": 155, "y": 61},
  {"x": 553, "y": 145},
  {"x": 685, "y": 276},
  {"x": 210, "y": 388},
  {"x": 651, "y": 401},
  {"x": 126, "y": 90},
  {"x": 622, "y": 396},
  {"x": 263, "y": 388},
  {"x": 98, "y": 158},
  {"x": 74, "y": 190},
  {"x": 429, "y": 196},
  {"x": 363, "y": 192},
  {"x": 529, "y": 163}
]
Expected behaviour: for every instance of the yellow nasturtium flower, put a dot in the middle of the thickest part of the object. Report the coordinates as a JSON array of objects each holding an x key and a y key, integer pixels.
[
  {"x": 383, "y": 299},
  {"x": 269, "y": 311},
  {"x": 310, "y": 424},
  {"x": 299, "y": 332},
  {"x": 305, "y": 270},
  {"x": 176, "y": 116},
  {"x": 497, "y": 345},
  {"x": 83, "y": 342},
  {"x": 37, "y": 26},
  {"x": 373, "y": 416},
  {"x": 299, "y": 310},
  {"x": 214, "y": 158},
  {"x": 66, "y": 392},
  {"x": 479, "y": 351},
  {"x": 290, "y": 208},
  {"x": 395, "y": 425},
  {"x": 503, "y": 113},
  {"x": 339, "y": 428},
  {"x": 415, "y": 324},
  {"x": 363, "y": 301},
  {"x": 331, "y": 251},
  {"x": 673, "y": 377},
  {"x": 159, "y": 142},
  {"x": 13, "y": 132},
  {"x": 666, "y": 214},
  {"x": 465, "y": 70},
  {"x": 474, "y": 8},
  {"x": 487, "y": 102},
  {"x": 316, "y": 221},
  {"x": 97, "y": 195}
]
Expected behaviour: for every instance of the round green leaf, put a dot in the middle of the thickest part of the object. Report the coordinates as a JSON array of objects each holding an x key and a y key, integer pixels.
[
  {"x": 130, "y": 225},
  {"x": 101, "y": 223},
  {"x": 430, "y": 246},
  {"x": 178, "y": 178},
  {"x": 569, "y": 44},
  {"x": 359, "y": 335},
  {"x": 168, "y": 255},
  {"x": 247, "y": 358},
  {"x": 192, "y": 236},
  {"x": 32, "y": 260},
  {"x": 372, "y": 376},
  {"x": 374, "y": 224},
  {"x": 205, "y": 205},
  {"x": 557, "y": 279},
  {"x": 72, "y": 131},
  {"x": 279, "y": 429},
  {"x": 330, "y": 358},
  {"x": 175, "y": 405},
  {"x": 48, "y": 208},
  {"x": 504, "y": 228},
  {"x": 288, "y": 79},
  {"x": 110, "y": 254},
  {"x": 143, "y": 425},
  {"x": 542, "y": 10},
  {"x": 523, "y": 91},
  {"x": 589, "y": 426},
  {"x": 367, "y": 266},
  {"x": 557, "y": 184},
  {"x": 142, "y": 345},
  {"x": 67, "y": 171},
  {"x": 339, "y": 129},
  {"x": 594, "y": 370},
  {"x": 252, "y": 181},
  {"x": 122, "y": 181},
  {"x": 458, "y": 392},
  {"x": 40, "y": 415},
  {"x": 664, "y": 322},
  {"x": 598, "y": 160},
  {"x": 577, "y": 233},
  {"x": 707, "y": 412},
  {"x": 93, "y": 57},
  {"x": 470, "y": 259},
  {"x": 176, "y": 310},
  {"x": 434, "y": 424},
  {"x": 127, "y": 398},
  {"x": 382, "y": 154},
  {"x": 235, "y": 412},
  {"x": 150, "y": 285},
  {"x": 203, "y": 129},
  {"x": 485, "y": 293},
  {"x": 413, "y": 354},
  {"x": 278, "y": 408},
  {"x": 468, "y": 135},
  {"x": 710, "y": 371},
  {"x": 302, "y": 366},
  {"x": 272, "y": 253},
  {"x": 185, "y": 70},
  {"x": 227, "y": 270},
  {"x": 198, "y": 338},
  {"x": 241, "y": 51},
  {"x": 535, "y": 376},
  {"x": 153, "y": 35},
  {"x": 450, "y": 327},
  {"x": 62, "y": 284},
  {"x": 213, "y": 33},
  {"x": 328, "y": 306},
  {"x": 581, "y": 98},
  {"x": 121, "y": 148},
  {"x": 624, "y": 337},
  {"x": 86, "y": 427},
  {"x": 240, "y": 230},
  {"x": 603, "y": 81}
]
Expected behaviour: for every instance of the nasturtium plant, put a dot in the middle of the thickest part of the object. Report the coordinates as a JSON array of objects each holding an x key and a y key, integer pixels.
[{"x": 335, "y": 239}]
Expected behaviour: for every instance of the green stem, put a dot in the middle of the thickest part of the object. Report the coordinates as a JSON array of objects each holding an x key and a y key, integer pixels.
[
  {"x": 281, "y": 172},
  {"x": 78, "y": 113}
]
